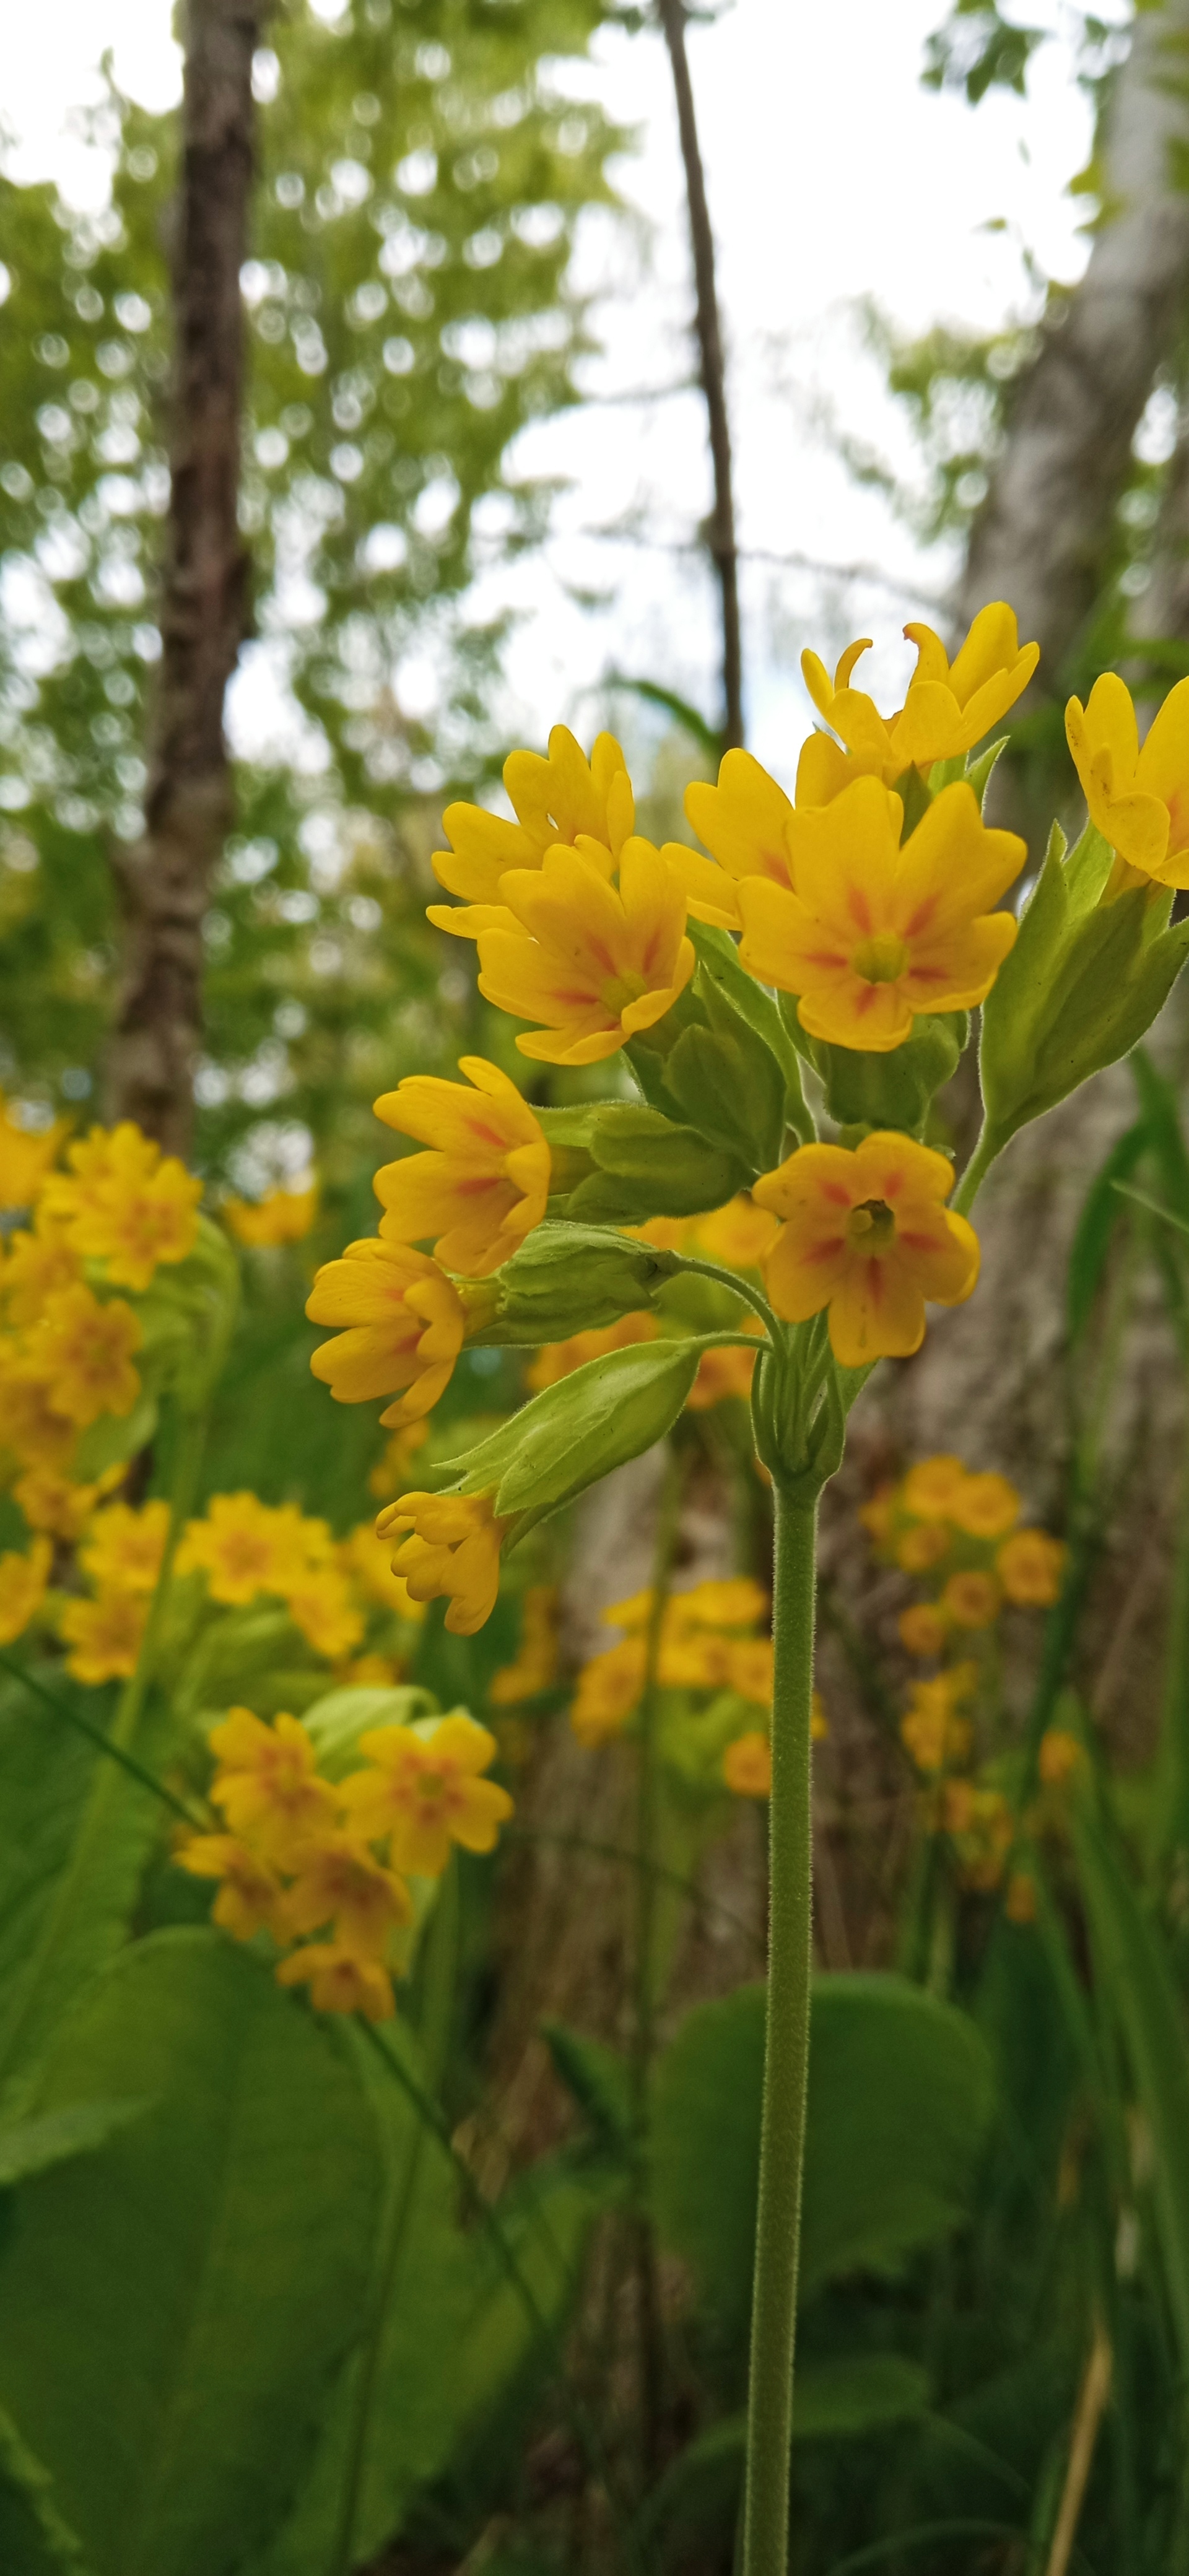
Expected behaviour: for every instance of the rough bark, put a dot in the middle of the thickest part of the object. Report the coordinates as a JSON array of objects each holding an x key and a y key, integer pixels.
[
  {"x": 720, "y": 527},
  {"x": 1041, "y": 536},
  {"x": 165, "y": 878}
]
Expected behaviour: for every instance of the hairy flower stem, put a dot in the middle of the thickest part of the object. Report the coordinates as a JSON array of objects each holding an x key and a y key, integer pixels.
[
  {"x": 651, "y": 2356},
  {"x": 786, "y": 2052},
  {"x": 986, "y": 1152}
]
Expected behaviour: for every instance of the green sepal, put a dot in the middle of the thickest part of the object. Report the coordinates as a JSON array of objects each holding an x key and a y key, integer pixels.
[
  {"x": 644, "y": 1165},
  {"x": 573, "y": 1433},
  {"x": 865, "y": 1090},
  {"x": 727, "y": 1066},
  {"x": 570, "y": 1279}
]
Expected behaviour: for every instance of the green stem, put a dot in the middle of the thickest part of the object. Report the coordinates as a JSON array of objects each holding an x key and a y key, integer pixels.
[
  {"x": 786, "y": 2055},
  {"x": 644, "y": 2030},
  {"x": 738, "y": 1286},
  {"x": 986, "y": 1152},
  {"x": 1171, "y": 1807}
]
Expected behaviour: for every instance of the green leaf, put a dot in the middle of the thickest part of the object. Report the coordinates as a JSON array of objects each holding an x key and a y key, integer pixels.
[
  {"x": 572, "y": 1433},
  {"x": 34, "y": 2540},
  {"x": 900, "y": 2091},
  {"x": 174, "y": 2305},
  {"x": 1096, "y": 1227},
  {"x": 111, "y": 1440},
  {"x": 30, "y": 2147},
  {"x": 598, "y": 2078},
  {"x": 336, "y": 1721},
  {"x": 1136, "y": 1975},
  {"x": 844, "y": 2399}
]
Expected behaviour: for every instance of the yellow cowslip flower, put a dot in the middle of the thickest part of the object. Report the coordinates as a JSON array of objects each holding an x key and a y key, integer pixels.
[
  {"x": 594, "y": 963},
  {"x": 750, "y": 1669},
  {"x": 948, "y": 706},
  {"x": 340, "y": 1883},
  {"x": 722, "y": 1374},
  {"x": 23, "y": 1581},
  {"x": 267, "y": 1785},
  {"x": 873, "y": 931},
  {"x": 391, "y": 1473},
  {"x": 609, "y": 1687},
  {"x": 723, "y": 1601},
  {"x": 693, "y": 1659},
  {"x": 124, "y": 1548},
  {"x": 31, "y": 1428},
  {"x": 26, "y": 1155},
  {"x": 39, "y": 1263},
  {"x": 364, "y": 1557},
  {"x": 339, "y": 1980},
  {"x": 866, "y": 1235},
  {"x": 405, "y": 1324},
  {"x": 1059, "y": 1756},
  {"x": 52, "y": 1503},
  {"x": 971, "y": 1599},
  {"x": 747, "y": 1766},
  {"x": 243, "y": 1547},
  {"x": 319, "y": 1603},
  {"x": 743, "y": 824},
  {"x": 738, "y": 1234},
  {"x": 559, "y": 799},
  {"x": 370, "y": 1672},
  {"x": 1138, "y": 794},
  {"x": 931, "y": 1486},
  {"x": 424, "y": 1791},
  {"x": 931, "y": 1733},
  {"x": 126, "y": 1204},
  {"x": 923, "y": 1628},
  {"x": 449, "y": 1546},
  {"x": 922, "y": 1547},
  {"x": 105, "y": 1635},
  {"x": 985, "y": 1506},
  {"x": 556, "y": 1360},
  {"x": 285, "y": 1216},
  {"x": 1029, "y": 1566},
  {"x": 84, "y": 1350},
  {"x": 486, "y": 1183},
  {"x": 249, "y": 1897}
]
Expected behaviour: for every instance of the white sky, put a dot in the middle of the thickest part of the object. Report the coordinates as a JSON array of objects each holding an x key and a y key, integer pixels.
[{"x": 831, "y": 176}]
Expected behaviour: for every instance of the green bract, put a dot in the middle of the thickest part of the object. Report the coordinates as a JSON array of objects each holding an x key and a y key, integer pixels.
[
  {"x": 570, "y": 1278},
  {"x": 595, "y": 1419}
]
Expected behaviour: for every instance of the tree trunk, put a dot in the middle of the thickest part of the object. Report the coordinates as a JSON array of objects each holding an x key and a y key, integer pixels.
[{"x": 165, "y": 878}]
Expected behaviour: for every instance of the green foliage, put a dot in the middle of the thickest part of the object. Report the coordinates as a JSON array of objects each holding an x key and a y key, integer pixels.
[
  {"x": 604, "y": 1413},
  {"x": 34, "y": 2540},
  {"x": 32, "y": 2146},
  {"x": 977, "y": 50},
  {"x": 896, "y": 1090},
  {"x": 211, "y": 2258}
]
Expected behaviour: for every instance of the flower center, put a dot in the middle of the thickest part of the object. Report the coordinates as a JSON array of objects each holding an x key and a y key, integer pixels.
[
  {"x": 871, "y": 1227},
  {"x": 619, "y": 990},
  {"x": 881, "y": 959}
]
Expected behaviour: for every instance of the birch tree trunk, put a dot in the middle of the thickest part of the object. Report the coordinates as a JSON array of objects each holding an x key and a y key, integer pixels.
[{"x": 165, "y": 879}]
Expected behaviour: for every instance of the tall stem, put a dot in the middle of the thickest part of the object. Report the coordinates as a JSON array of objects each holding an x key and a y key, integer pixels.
[
  {"x": 786, "y": 2053},
  {"x": 644, "y": 2031}
]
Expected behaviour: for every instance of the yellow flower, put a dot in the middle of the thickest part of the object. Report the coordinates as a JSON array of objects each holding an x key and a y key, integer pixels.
[
  {"x": 558, "y": 1359},
  {"x": 124, "y": 1547},
  {"x": 267, "y": 1785},
  {"x": 694, "y": 1659},
  {"x": 1138, "y": 794},
  {"x": 985, "y": 1506},
  {"x": 248, "y": 1900},
  {"x": 609, "y": 1686},
  {"x": 105, "y": 1635},
  {"x": 1059, "y": 1756},
  {"x": 562, "y": 798},
  {"x": 85, "y": 1349},
  {"x": 738, "y": 1234},
  {"x": 452, "y": 1548},
  {"x": 38, "y": 1265},
  {"x": 922, "y": 1547},
  {"x": 338, "y": 1882},
  {"x": 1029, "y": 1566},
  {"x": 320, "y": 1604},
  {"x": 932, "y": 1485},
  {"x": 747, "y": 1766},
  {"x": 126, "y": 1204},
  {"x": 931, "y": 1733},
  {"x": 364, "y": 1556},
  {"x": 948, "y": 707},
  {"x": 30, "y": 1426},
  {"x": 971, "y": 1599},
  {"x": 877, "y": 1516},
  {"x": 23, "y": 1580},
  {"x": 285, "y": 1216},
  {"x": 242, "y": 1547},
  {"x": 339, "y": 1980},
  {"x": 485, "y": 1184},
  {"x": 535, "y": 1667},
  {"x": 424, "y": 1792},
  {"x": 51, "y": 1503},
  {"x": 596, "y": 964},
  {"x": 405, "y": 1326},
  {"x": 750, "y": 1669},
  {"x": 743, "y": 824},
  {"x": 923, "y": 1630},
  {"x": 730, "y": 1601},
  {"x": 391, "y": 1473},
  {"x": 865, "y": 1234},
  {"x": 875, "y": 931},
  {"x": 26, "y": 1155}
]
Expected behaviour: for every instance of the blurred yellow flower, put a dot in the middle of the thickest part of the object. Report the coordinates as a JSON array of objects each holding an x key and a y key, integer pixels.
[
  {"x": 985, "y": 1506},
  {"x": 609, "y": 1686},
  {"x": 738, "y": 1234},
  {"x": 750, "y": 1669},
  {"x": 39, "y": 1263},
  {"x": 874, "y": 930},
  {"x": 932, "y": 1734},
  {"x": 52, "y": 1503},
  {"x": 248, "y": 1899},
  {"x": 85, "y": 1349},
  {"x": 931, "y": 1486},
  {"x": 391, "y": 1471},
  {"x": 339, "y": 1980},
  {"x": 948, "y": 706},
  {"x": 1030, "y": 1566},
  {"x": 243, "y": 1547},
  {"x": 267, "y": 1785},
  {"x": 319, "y": 1602},
  {"x": 595, "y": 963},
  {"x": 1138, "y": 794},
  {"x": 559, "y": 799},
  {"x": 26, "y": 1155},
  {"x": 922, "y": 1547},
  {"x": 285, "y": 1216},
  {"x": 865, "y": 1235},
  {"x": 104, "y": 1635},
  {"x": 425, "y": 1792},
  {"x": 556, "y": 1359},
  {"x": 449, "y": 1545},
  {"x": 125, "y": 1203},
  {"x": 723, "y": 1374},
  {"x": 405, "y": 1324},
  {"x": 124, "y": 1548},
  {"x": 1059, "y": 1756},
  {"x": 31, "y": 1428},
  {"x": 485, "y": 1184},
  {"x": 971, "y": 1599},
  {"x": 923, "y": 1630},
  {"x": 23, "y": 1581},
  {"x": 747, "y": 1766},
  {"x": 364, "y": 1556},
  {"x": 338, "y": 1882}
]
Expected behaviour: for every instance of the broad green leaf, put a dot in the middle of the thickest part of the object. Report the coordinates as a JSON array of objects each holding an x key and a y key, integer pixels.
[
  {"x": 34, "y": 2540},
  {"x": 30, "y": 2147},
  {"x": 900, "y": 2091},
  {"x": 844, "y": 2399},
  {"x": 173, "y": 2307},
  {"x": 1136, "y": 1975}
]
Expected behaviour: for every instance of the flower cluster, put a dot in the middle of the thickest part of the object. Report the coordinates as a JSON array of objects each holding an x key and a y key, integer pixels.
[
  {"x": 245, "y": 1550},
  {"x": 284, "y": 1216},
  {"x": 323, "y": 1866},
  {"x": 713, "y": 1666}
]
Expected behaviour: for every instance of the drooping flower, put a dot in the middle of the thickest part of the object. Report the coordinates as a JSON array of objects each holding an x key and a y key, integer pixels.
[
  {"x": 594, "y": 962},
  {"x": 104, "y": 1635},
  {"x": 248, "y": 1899},
  {"x": 425, "y": 1791},
  {"x": 875, "y": 931},
  {"x": 243, "y": 1547},
  {"x": 368, "y": 1562},
  {"x": 84, "y": 1350},
  {"x": 23, "y": 1580},
  {"x": 971, "y": 1599},
  {"x": 449, "y": 1546},
  {"x": 1029, "y": 1566},
  {"x": 268, "y": 1786},
  {"x": 404, "y": 1325},
  {"x": 125, "y": 1203},
  {"x": 26, "y": 1155},
  {"x": 486, "y": 1182},
  {"x": 124, "y": 1548},
  {"x": 985, "y": 1506},
  {"x": 285, "y": 1216},
  {"x": 340, "y": 1980},
  {"x": 865, "y": 1234},
  {"x": 559, "y": 799},
  {"x": 338, "y": 1882},
  {"x": 948, "y": 706},
  {"x": 1138, "y": 794}
]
